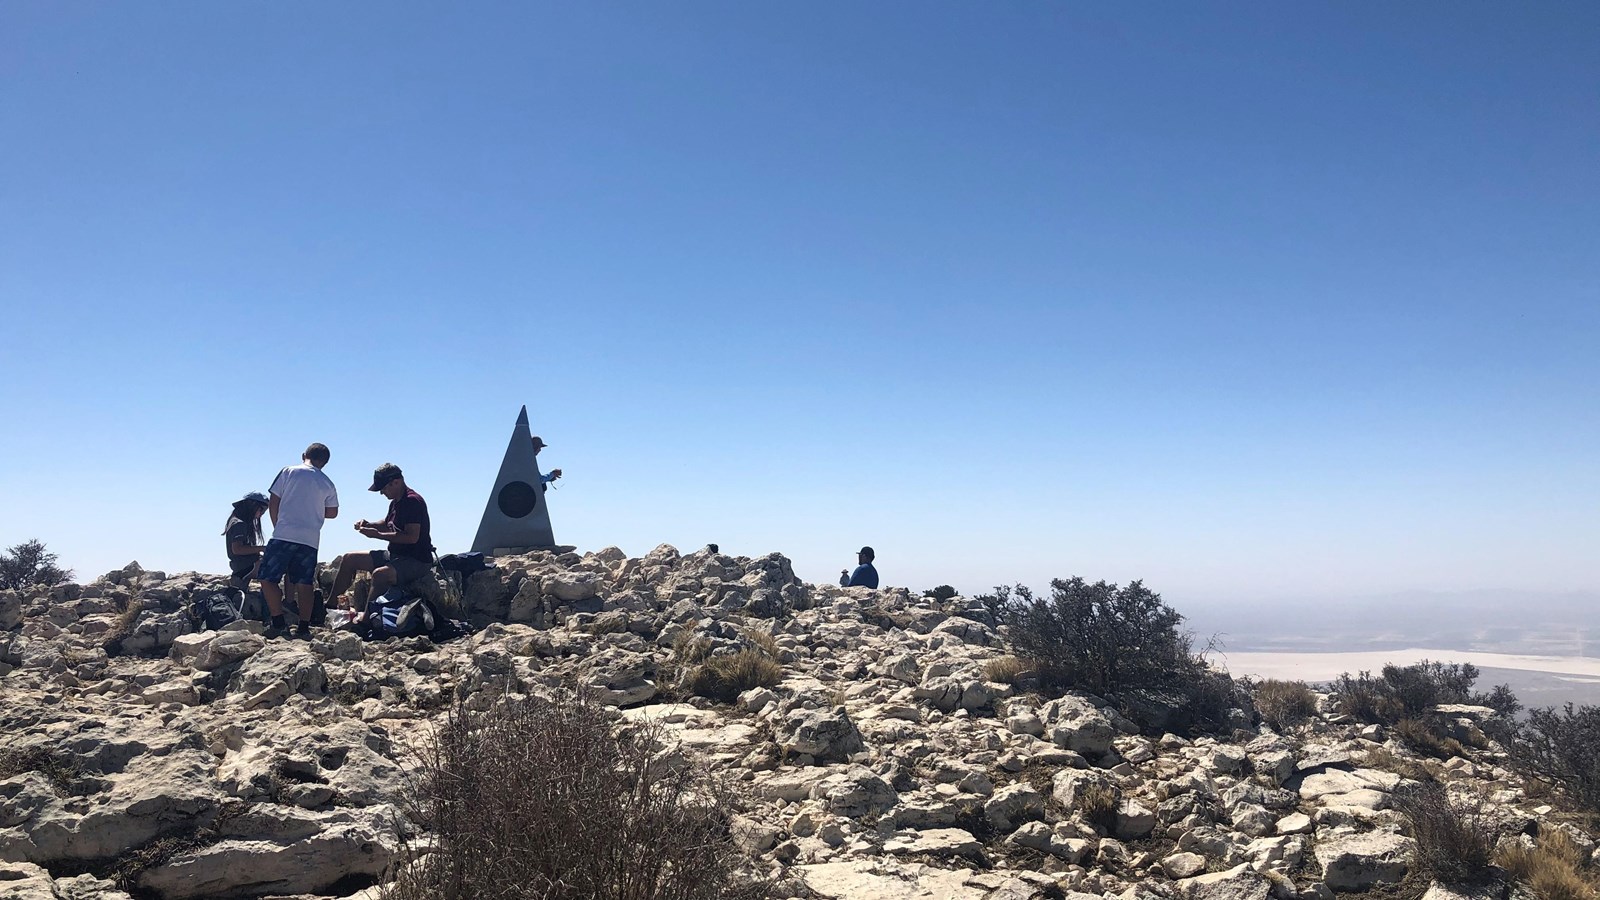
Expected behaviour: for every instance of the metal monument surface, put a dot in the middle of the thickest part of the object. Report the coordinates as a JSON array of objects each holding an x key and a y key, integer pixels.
[{"x": 516, "y": 517}]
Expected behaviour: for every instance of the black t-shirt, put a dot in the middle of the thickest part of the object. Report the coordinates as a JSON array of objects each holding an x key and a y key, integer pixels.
[
  {"x": 411, "y": 509},
  {"x": 240, "y": 531}
]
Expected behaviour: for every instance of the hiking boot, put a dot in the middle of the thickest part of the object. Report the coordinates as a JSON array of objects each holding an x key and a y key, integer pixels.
[
  {"x": 302, "y": 632},
  {"x": 275, "y": 631}
]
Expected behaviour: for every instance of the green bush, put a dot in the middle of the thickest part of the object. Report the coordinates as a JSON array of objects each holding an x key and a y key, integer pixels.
[
  {"x": 1121, "y": 643},
  {"x": 1563, "y": 749},
  {"x": 1404, "y": 692},
  {"x": 1100, "y": 637},
  {"x": 28, "y": 564},
  {"x": 941, "y": 593}
]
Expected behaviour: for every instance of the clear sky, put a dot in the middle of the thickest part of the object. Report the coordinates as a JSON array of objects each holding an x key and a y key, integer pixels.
[{"x": 1249, "y": 300}]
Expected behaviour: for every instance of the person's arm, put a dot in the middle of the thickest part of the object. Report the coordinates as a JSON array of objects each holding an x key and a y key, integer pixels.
[
  {"x": 328, "y": 512},
  {"x": 409, "y": 535},
  {"x": 330, "y": 506},
  {"x": 272, "y": 509},
  {"x": 240, "y": 548}
]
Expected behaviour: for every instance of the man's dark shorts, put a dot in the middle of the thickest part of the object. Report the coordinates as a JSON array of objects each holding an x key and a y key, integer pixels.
[
  {"x": 406, "y": 568},
  {"x": 297, "y": 561}
]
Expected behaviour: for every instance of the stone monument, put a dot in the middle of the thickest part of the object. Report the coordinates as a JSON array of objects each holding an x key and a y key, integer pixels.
[{"x": 516, "y": 518}]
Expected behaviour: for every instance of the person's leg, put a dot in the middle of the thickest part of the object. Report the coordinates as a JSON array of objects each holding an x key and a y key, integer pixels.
[
  {"x": 383, "y": 578},
  {"x": 349, "y": 565},
  {"x": 273, "y": 563},
  {"x": 302, "y": 575}
]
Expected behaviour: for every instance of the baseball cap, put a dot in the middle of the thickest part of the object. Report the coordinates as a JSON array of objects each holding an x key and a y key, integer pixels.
[{"x": 383, "y": 475}]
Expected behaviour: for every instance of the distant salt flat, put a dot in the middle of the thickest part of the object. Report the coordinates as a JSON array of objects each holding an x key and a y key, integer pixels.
[{"x": 1327, "y": 666}]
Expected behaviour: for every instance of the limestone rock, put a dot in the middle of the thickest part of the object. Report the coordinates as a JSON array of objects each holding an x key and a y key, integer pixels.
[{"x": 1359, "y": 862}]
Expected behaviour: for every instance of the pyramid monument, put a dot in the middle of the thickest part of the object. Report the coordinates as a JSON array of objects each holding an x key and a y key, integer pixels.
[{"x": 516, "y": 517}]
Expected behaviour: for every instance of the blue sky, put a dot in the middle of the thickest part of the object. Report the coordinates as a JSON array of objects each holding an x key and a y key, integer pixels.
[{"x": 1249, "y": 300}]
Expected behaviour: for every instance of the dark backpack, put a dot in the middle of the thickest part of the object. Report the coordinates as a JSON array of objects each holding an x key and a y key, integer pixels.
[
  {"x": 395, "y": 614},
  {"x": 218, "y": 609},
  {"x": 464, "y": 564}
]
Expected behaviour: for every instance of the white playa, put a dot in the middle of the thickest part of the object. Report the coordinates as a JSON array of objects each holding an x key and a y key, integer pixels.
[{"x": 1327, "y": 666}]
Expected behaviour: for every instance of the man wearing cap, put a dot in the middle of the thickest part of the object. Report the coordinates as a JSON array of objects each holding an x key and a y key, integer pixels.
[
  {"x": 553, "y": 474},
  {"x": 406, "y": 528},
  {"x": 301, "y": 499},
  {"x": 864, "y": 575}
]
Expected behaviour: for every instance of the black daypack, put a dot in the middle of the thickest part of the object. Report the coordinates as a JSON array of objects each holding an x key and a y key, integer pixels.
[
  {"x": 218, "y": 609},
  {"x": 464, "y": 564}
]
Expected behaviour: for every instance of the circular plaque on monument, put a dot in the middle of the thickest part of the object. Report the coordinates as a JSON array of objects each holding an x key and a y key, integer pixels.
[{"x": 517, "y": 499}]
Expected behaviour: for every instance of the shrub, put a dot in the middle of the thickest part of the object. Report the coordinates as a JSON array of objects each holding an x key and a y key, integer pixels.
[
  {"x": 1455, "y": 839},
  {"x": 1562, "y": 749},
  {"x": 28, "y": 564},
  {"x": 941, "y": 593},
  {"x": 1501, "y": 699},
  {"x": 1284, "y": 703},
  {"x": 1553, "y": 868},
  {"x": 538, "y": 799},
  {"x": 1404, "y": 691},
  {"x": 726, "y": 676},
  {"x": 1004, "y": 599},
  {"x": 1100, "y": 637}
]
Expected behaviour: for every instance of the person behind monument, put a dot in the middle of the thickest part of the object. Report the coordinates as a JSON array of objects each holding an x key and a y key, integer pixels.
[
  {"x": 864, "y": 575},
  {"x": 553, "y": 474},
  {"x": 406, "y": 528},
  {"x": 243, "y": 538},
  {"x": 302, "y": 499}
]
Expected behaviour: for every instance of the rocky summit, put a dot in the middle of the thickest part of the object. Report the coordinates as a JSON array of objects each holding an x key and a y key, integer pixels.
[{"x": 141, "y": 756}]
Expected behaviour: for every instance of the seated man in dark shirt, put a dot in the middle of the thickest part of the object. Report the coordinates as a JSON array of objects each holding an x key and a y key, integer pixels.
[
  {"x": 410, "y": 553},
  {"x": 864, "y": 575}
]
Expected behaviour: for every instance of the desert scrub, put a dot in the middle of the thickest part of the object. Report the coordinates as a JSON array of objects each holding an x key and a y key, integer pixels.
[
  {"x": 1097, "y": 803},
  {"x": 1562, "y": 749},
  {"x": 555, "y": 799},
  {"x": 1424, "y": 737},
  {"x": 1455, "y": 837},
  {"x": 1283, "y": 703}
]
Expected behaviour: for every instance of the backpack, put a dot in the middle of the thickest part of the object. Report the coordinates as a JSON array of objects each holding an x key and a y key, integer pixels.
[
  {"x": 464, "y": 564},
  {"x": 394, "y": 614},
  {"x": 218, "y": 609}
]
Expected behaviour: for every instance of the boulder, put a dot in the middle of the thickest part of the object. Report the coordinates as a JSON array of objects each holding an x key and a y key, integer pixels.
[{"x": 1362, "y": 861}]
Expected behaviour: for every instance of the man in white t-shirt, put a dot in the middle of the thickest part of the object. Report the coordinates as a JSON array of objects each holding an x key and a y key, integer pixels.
[{"x": 301, "y": 499}]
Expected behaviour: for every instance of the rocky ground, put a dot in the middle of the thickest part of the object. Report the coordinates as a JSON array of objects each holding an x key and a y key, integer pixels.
[{"x": 142, "y": 758}]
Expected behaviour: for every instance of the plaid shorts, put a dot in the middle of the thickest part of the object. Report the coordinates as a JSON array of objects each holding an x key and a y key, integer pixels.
[{"x": 297, "y": 561}]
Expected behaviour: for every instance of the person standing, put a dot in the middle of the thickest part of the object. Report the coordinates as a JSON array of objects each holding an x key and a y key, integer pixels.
[
  {"x": 406, "y": 528},
  {"x": 553, "y": 474},
  {"x": 302, "y": 498},
  {"x": 864, "y": 575}
]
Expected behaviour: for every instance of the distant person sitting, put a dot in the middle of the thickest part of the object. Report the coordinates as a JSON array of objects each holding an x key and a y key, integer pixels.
[
  {"x": 406, "y": 528},
  {"x": 243, "y": 538},
  {"x": 864, "y": 575},
  {"x": 302, "y": 498},
  {"x": 553, "y": 474}
]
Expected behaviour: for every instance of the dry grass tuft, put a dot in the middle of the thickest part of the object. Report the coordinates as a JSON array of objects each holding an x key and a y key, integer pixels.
[
  {"x": 1284, "y": 703},
  {"x": 1006, "y": 669},
  {"x": 1554, "y": 869},
  {"x": 64, "y": 776},
  {"x": 1098, "y": 804},
  {"x": 764, "y": 642},
  {"x": 1424, "y": 737},
  {"x": 727, "y": 676}
]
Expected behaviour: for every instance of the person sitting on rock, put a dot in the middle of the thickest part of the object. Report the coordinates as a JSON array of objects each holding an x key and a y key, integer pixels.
[
  {"x": 243, "y": 538},
  {"x": 406, "y": 528},
  {"x": 864, "y": 575}
]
